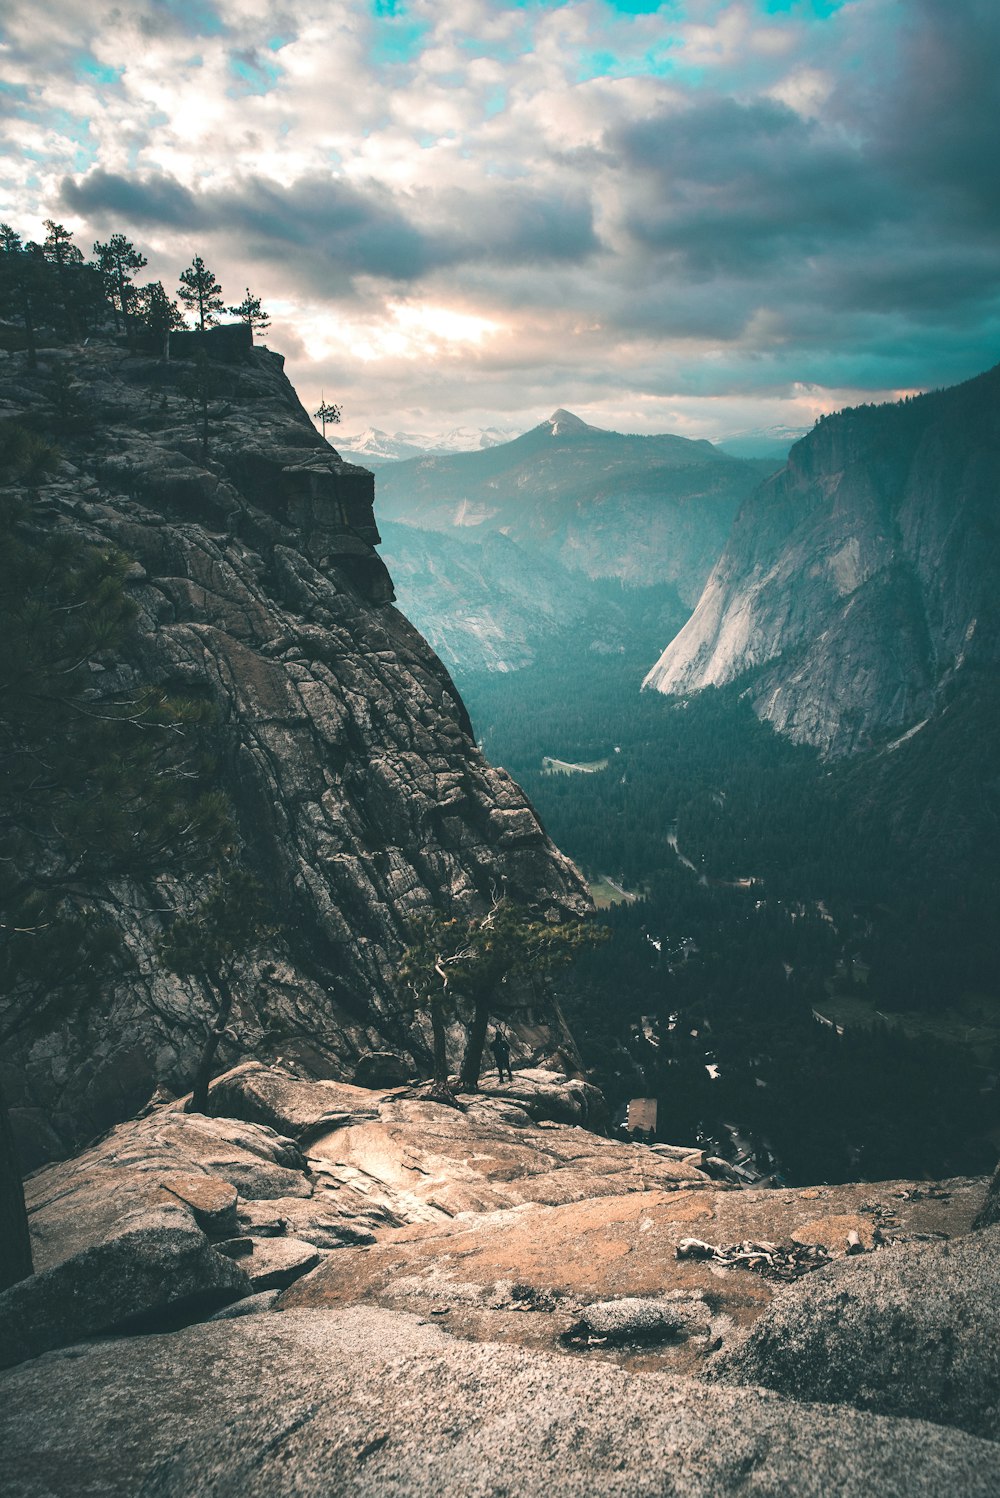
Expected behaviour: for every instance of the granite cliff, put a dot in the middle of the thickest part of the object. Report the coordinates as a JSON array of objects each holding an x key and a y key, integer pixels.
[
  {"x": 360, "y": 795},
  {"x": 858, "y": 589},
  {"x": 322, "y": 1288}
]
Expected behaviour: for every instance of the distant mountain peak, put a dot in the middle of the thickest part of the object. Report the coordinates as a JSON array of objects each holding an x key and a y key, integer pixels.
[{"x": 563, "y": 422}]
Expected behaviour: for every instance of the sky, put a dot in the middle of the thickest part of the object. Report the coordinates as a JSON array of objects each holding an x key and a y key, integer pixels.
[{"x": 701, "y": 216}]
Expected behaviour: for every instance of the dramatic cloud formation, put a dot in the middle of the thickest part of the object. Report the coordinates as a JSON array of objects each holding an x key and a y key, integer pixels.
[{"x": 700, "y": 215}]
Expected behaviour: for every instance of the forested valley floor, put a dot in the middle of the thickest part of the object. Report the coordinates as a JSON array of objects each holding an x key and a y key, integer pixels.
[{"x": 804, "y": 957}]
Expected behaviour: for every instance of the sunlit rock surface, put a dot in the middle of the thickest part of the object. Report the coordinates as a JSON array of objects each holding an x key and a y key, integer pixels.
[{"x": 860, "y": 583}]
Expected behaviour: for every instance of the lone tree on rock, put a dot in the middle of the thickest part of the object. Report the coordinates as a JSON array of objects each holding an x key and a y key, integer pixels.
[
  {"x": 327, "y": 413},
  {"x": 252, "y": 313},
  {"x": 201, "y": 293},
  {"x": 474, "y": 960}
]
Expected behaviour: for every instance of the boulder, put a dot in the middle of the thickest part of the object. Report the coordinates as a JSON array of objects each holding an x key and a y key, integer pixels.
[
  {"x": 274, "y": 1263},
  {"x": 382, "y": 1069},
  {"x": 913, "y": 1331},
  {"x": 158, "y": 1262},
  {"x": 643, "y": 1320},
  {"x": 78, "y": 1203},
  {"x": 212, "y": 1200},
  {"x": 365, "y": 1403},
  {"x": 276, "y": 1098}
]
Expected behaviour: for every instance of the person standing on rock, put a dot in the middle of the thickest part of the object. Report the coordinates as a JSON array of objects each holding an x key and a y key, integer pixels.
[{"x": 501, "y": 1054}]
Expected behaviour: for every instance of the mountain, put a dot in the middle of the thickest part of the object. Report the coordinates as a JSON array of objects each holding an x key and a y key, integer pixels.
[
  {"x": 376, "y": 448},
  {"x": 644, "y": 510},
  {"x": 860, "y": 587},
  {"x": 492, "y": 605},
  {"x": 360, "y": 797}
]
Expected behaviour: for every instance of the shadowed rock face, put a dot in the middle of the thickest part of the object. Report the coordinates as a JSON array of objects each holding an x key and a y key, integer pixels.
[
  {"x": 862, "y": 579},
  {"x": 361, "y": 796}
]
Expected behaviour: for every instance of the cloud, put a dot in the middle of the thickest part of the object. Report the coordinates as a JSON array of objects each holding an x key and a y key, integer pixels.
[{"x": 699, "y": 200}]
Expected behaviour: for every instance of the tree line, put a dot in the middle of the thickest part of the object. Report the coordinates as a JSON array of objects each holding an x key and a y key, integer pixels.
[{"x": 52, "y": 283}]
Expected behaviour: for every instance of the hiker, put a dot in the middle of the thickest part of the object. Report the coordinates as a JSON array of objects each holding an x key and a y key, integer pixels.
[{"x": 501, "y": 1054}]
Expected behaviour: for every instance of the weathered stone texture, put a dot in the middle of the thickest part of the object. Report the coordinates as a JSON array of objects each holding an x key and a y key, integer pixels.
[{"x": 361, "y": 796}]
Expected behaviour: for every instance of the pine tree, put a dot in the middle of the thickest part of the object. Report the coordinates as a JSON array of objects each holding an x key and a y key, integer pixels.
[
  {"x": 327, "y": 412},
  {"x": 251, "y": 312},
  {"x": 119, "y": 262},
  {"x": 201, "y": 293},
  {"x": 450, "y": 961},
  {"x": 59, "y": 251},
  {"x": 159, "y": 313},
  {"x": 21, "y": 283}
]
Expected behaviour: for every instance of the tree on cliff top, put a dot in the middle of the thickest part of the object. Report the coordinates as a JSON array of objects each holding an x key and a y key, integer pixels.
[
  {"x": 119, "y": 262},
  {"x": 252, "y": 313},
  {"x": 201, "y": 293}
]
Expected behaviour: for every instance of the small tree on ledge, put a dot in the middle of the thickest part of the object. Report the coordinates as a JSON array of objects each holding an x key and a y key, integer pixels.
[
  {"x": 327, "y": 412},
  {"x": 473, "y": 959},
  {"x": 252, "y": 313}
]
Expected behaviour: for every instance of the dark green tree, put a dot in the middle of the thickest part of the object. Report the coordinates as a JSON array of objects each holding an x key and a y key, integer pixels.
[
  {"x": 119, "y": 262},
  {"x": 201, "y": 293},
  {"x": 211, "y": 943},
  {"x": 59, "y": 251},
  {"x": 251, "y": 312},
  {"x": 158, "y": 313},
  {"x": 327, "y": 412},
  {"x": 482, "y": 962},
  {"x": 21, "y": 285}
]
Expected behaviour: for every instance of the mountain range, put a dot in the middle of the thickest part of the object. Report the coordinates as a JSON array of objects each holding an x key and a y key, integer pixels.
[
  {"x": 375, "y": 448},
  {"x": 644, "y": 510}
]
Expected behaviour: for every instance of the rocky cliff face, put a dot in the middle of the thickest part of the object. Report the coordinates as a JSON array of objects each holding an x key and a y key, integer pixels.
[
  {"x": 360, "y": 794},
  {"x": 860, "y": 583}
]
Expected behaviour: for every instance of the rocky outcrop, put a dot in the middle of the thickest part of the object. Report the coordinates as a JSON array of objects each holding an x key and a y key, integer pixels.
[
  {"x": 361, "y": 796},
  {"x": 174, "y": 1212},
  {"x": 860, "y": 583},
  {"x": 366, "y": 1402},
  {"x": 478, "y": 1298},
  {"x": 151, "y": 1264},
  {"x": 911, "y": 1331}
]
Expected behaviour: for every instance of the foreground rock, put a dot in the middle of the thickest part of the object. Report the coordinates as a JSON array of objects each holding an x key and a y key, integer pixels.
[
  {"x": 526, "y": 1275},
  {"x": 367, "y": 1403},
  {"x": 910, "y": 1331},
  {"x": 159, "y": 1262}
]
